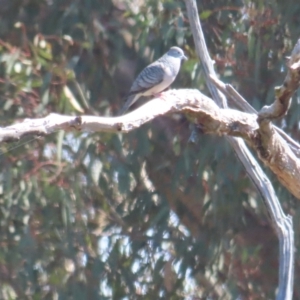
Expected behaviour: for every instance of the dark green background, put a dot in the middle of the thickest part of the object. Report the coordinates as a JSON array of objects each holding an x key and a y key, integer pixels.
[{"x": 144, "y": 215}]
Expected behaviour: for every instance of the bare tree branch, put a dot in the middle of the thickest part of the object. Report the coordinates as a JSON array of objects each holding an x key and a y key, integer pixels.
[
  {"x": 281, "y": 222},
  {"x": 229, "y": 90},
  {"x": 199, "y": 107},
  {"x": 284, "y": 92}
]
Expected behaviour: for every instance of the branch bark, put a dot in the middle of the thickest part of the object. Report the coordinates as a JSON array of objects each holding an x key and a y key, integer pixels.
[
  {"x": 281, "y": 222},
  {"x": 200, "y": 109},
  {"x": 283, "y": 93}
]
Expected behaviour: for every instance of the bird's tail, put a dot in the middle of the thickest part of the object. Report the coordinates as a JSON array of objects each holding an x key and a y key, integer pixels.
[{"x": 130, "y": 100}]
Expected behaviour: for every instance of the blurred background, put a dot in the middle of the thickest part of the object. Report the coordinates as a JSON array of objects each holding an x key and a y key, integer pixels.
[{"x": 143, "y": 215}]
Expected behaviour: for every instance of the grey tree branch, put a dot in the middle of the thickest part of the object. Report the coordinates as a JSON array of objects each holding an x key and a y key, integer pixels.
[
  {"x": 281, "y": 222},
  {"x": 200, "y": 109},
  {"x": 284, "y": 92},
  {"x": 241, "y": 102}
]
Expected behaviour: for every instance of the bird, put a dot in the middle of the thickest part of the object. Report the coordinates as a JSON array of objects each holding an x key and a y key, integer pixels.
[{"x": 156, "y": 77}]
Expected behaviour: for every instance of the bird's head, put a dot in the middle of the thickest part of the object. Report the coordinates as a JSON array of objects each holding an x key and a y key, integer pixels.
[{"x": 177, "y": 53}]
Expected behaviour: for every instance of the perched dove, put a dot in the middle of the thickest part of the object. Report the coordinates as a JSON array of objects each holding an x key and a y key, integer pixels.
[{"x": 156, "y": 77}]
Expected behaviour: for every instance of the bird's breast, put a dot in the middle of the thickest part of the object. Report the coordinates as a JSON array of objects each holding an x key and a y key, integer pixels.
[{"x": 166, "y": 82}]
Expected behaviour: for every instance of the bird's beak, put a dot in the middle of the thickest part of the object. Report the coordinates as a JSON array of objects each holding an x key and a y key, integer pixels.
[{"x": 184, "y": 57}]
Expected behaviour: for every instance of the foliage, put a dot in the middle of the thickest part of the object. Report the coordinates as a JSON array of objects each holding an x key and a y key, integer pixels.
[{"x": 146, "y": 215}]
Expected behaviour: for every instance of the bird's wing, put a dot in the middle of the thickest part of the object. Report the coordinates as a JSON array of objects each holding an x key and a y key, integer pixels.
[{"x": 148, "y": 78}]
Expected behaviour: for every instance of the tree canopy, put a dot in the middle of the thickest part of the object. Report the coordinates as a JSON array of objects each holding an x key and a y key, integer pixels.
[{"x": 148, "y": 214}]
